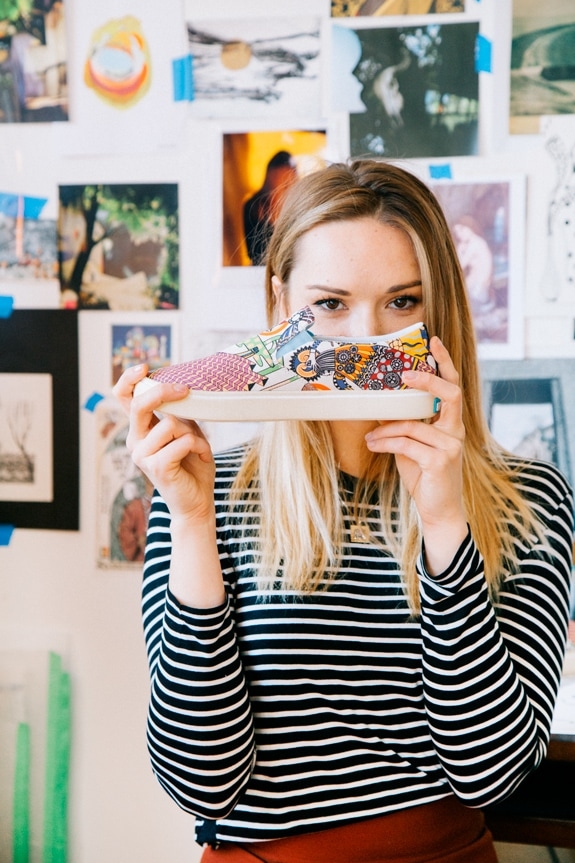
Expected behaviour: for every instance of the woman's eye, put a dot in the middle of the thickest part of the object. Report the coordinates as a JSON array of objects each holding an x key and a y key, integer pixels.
[
  {"x": 404, "y": 302},
  {"x": 331, "y": 303}
]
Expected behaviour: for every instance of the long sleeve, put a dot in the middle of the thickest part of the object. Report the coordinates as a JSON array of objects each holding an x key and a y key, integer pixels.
[
  {"x": 200, "y": 731},
  {"x": 491, "y": 673}
]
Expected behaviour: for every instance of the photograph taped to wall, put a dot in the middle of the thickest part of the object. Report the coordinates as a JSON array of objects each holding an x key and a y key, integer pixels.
[
  {"x": 140, "y": 343},
  {"x": 419, "y": 88},
  {"x": 119, "y": 246},
  {"x": 124, "y": 493},
  {"x": 28, "y": 241},
  {"x": 356, "y": 8},
  {"x": 258, "y": 169},
  {"x": 486, "y": 218},
  {"x": 41, "y": 348},
  {"x": 542, "y": 75},
  {"x": 530, "y": 406},
  {"x": 255, "y": 67},
  {"x": 33, "y": 62}
]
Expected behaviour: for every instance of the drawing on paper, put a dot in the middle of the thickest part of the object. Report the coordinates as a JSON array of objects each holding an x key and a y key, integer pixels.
[
  {"x": 118, "y": 66},
  {"x": 256, "y": 66},
  {"x": 558, "y": 279},
  {"x": 25, "y": 437}
]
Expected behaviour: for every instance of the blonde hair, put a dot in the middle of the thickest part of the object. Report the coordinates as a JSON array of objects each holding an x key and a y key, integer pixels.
[{"x": 291, "y": 469}]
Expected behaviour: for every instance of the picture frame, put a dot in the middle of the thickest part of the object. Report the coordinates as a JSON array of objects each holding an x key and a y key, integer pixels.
[
  {"x": 530, "y": 407},
  {"x": 39, "y": 344}
]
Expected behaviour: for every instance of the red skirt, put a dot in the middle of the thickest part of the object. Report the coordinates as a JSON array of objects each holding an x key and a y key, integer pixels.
[{"x": 440, "y": 832}]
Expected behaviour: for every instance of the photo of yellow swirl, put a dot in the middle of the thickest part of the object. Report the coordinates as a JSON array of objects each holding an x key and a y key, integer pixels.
[{"x": 118, "y": 67}]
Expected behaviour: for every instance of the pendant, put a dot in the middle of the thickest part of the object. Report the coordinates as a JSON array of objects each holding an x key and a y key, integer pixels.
[{"x": 359, "y": 533}]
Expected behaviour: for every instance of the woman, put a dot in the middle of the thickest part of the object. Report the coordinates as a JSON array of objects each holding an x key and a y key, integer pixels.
[{"x": 316, "y": 697}]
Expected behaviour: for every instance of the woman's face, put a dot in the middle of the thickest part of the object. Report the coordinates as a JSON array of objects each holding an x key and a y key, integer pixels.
[{"x": 360, "y": 278}]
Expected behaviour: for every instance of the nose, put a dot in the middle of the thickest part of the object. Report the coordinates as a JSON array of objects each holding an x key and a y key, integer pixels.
[{"x": 368, "y": 322}]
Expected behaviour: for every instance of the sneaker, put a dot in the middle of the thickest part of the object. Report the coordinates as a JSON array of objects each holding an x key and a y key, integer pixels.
[{"x": 289, "y": 372}]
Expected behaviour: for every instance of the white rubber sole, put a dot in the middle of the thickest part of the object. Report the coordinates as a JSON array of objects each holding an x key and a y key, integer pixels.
[{"x": 260, "y": 406}]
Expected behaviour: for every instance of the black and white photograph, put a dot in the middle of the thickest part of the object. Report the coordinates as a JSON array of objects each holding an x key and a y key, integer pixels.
[
  {"x": 255, "y": 66},
  {"x": 420, "y": 89}
]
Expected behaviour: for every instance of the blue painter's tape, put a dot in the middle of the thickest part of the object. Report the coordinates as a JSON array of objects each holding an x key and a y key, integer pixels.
[
  {"x": 6, "y": 531},
  {"x": 482, "y": 54},
  {"x": 92, "y": 401},
  {"x": 440, "y": 172},
  {"x": 183, "y": 75},
  {"x": 11, "y": 205},
  {"x": 6, "y": 306}
]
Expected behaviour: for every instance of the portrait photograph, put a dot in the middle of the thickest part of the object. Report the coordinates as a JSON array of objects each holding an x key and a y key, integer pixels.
[
  {"x": 258, "y": 169},
  {"x": 420, "y": 91}
]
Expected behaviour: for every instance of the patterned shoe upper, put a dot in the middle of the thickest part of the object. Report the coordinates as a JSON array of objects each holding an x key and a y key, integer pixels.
[{"x": 290, "y": 356}]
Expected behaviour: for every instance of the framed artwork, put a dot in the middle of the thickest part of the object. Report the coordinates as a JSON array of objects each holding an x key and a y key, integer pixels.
[
  {"x": 486, "y": 219},
  {"x": 39, "y": 420},
  {"x": 530, "y": 406},
  {"x": 140, "y": 343},
  {"x": 119, "y": 246}
]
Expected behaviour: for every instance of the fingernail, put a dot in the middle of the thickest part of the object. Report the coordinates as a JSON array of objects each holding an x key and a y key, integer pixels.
[
  {"x": 180, "y": 388},
  {"x": 138, "y": 368},
  {"x": 409, "y": 375}
]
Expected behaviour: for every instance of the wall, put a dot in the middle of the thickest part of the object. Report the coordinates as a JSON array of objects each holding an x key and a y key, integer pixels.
[{"x": 52, "y": 594}]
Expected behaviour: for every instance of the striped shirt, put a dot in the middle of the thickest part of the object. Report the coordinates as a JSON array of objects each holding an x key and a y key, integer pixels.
[{"x": 281, "y": 716}]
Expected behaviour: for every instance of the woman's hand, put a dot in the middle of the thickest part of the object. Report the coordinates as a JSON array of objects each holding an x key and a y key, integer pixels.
[
  {"x": 429, "y": 457},
  {"x": 177, "y": 458},
  {"x": 174, "y": 454}
]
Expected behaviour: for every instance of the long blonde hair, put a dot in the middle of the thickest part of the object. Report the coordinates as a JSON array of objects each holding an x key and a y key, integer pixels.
[{"x": 291, "y": 469}]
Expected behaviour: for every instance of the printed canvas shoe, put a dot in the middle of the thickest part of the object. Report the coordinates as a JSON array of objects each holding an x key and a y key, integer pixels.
[{"x": 289, "y": 372}]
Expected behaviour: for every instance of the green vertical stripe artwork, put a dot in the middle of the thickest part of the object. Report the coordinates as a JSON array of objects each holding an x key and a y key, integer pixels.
[
  {"x": 21, "y": 810},
  {"x": 55, "y": 845}
]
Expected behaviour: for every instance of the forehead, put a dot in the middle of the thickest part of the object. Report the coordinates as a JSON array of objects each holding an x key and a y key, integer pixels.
[{"x": 359, "y": 246}]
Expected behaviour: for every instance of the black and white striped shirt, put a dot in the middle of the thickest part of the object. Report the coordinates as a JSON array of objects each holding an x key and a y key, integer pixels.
[{"x": 284, "y": 716}]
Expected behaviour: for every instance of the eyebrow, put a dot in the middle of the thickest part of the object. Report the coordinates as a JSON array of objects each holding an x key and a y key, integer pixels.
[{"x": 341, "y": 292}]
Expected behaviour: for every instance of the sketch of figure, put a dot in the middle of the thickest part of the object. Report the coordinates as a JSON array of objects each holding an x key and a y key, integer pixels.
[{"x": 559, "y": 272}]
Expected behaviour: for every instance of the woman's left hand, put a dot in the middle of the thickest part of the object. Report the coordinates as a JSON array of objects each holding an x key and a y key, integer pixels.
[{"x": 429, "y": 457}]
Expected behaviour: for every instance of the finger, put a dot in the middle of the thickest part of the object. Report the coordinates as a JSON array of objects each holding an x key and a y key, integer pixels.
[
  {"x": 124, "y": 388},
  {"x": 143, "y": 407},
  {"x": 441, "y": 355},
  {"x": 170, "y": 429}
]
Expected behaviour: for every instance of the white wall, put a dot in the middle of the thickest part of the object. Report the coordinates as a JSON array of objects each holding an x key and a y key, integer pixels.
[{"x": 52, "y": 594}]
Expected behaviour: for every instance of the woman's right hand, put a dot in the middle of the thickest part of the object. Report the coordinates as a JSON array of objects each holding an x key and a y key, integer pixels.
[{"x": 173, "y": 453}]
